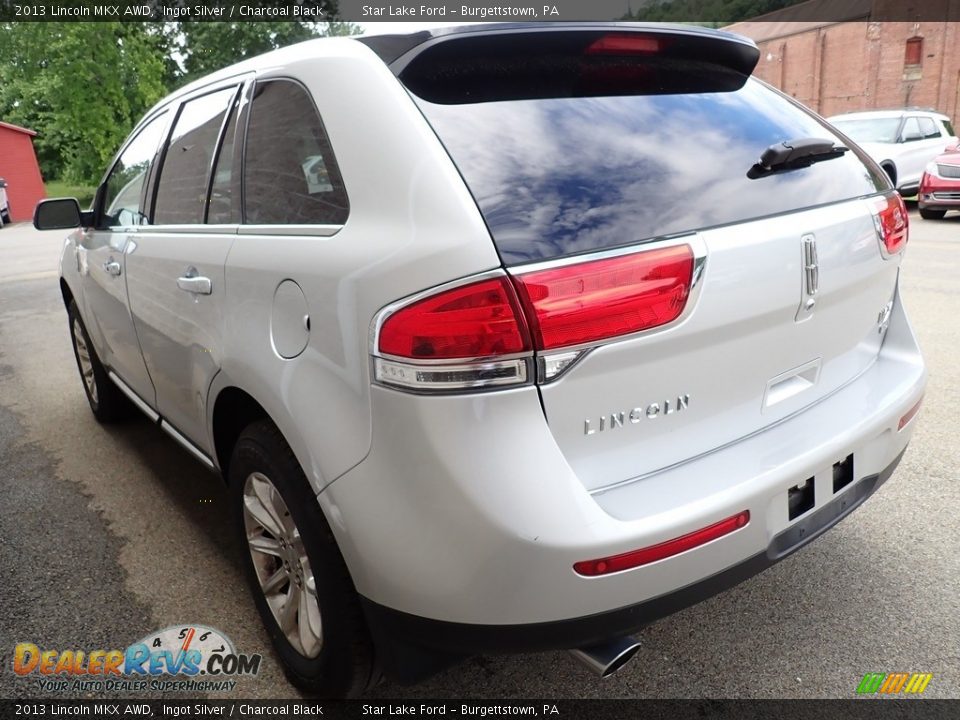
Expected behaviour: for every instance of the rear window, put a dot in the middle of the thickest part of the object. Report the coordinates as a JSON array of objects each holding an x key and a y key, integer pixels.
[{"x": 556, "y": 176}]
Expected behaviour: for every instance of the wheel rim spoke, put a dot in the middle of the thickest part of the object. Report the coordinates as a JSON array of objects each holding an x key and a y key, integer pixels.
[
  {"x": 288, "y": 613},
  {"x": 309, "y": 621},
  {"x": 265, "y": 545},
  {"x": 262, "y": 516},
  {"x": 85, "y": 360},
  {"x": 275, "y": 582}
]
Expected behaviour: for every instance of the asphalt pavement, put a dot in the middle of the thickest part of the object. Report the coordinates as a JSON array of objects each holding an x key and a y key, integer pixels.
[{"x": 108, "y": 534}]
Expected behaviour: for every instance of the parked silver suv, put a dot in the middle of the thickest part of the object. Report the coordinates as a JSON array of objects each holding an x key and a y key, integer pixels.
[{"x": 505, "y": 339}]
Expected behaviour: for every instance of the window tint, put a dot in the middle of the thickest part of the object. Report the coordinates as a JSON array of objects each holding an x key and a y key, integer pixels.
[
  {"x": 559, "y": 176},
  {"x": 911, "y": 130},
  {"x": 225, "y": 189},
  {"x": 182, "y": 190},
  {"x": 948, "y": 127},
  {"x": 121, "y": 202},
  {"x": 929, "y": 128},
  {"x": 290, "y": 175},
  {"x": 879, "y": 130}
]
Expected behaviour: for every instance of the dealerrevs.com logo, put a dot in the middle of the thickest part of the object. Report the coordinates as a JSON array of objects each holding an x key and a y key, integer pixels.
[{"x": 180, "y": 658}]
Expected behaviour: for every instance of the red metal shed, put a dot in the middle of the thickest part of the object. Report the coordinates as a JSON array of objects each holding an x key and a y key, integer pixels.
[{"x": 18, "y": 166}]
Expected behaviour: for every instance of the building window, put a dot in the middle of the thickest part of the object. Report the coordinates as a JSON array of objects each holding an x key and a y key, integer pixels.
[{"x": 913, "y": 54}]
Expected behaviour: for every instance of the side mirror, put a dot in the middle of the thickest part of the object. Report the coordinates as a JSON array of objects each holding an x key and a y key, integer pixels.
[
  {"x": 952, "y": 148},
  {"x": 57, "y": 214}
]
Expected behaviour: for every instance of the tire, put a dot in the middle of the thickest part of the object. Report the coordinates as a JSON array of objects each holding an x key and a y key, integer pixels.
[
  {"x": 331, "y": 655},
  {"x": 107, "y": 401},
  {"x": 928, "y": 214}
]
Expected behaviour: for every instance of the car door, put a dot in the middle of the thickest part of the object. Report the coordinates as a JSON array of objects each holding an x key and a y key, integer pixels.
[
  {"x": 102, "y": 255},
  {"x": 176, "y": 272}
]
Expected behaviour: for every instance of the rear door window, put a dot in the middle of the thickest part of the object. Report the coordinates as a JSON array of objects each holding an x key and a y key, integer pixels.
[
  {"x": 554, "y": 176},
  {"x": 181, "y": 195},
  {"x": 290, "y": 174},
  {"x": 928, "y": 128}
]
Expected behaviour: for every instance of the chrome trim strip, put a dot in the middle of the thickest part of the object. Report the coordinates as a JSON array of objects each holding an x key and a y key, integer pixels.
[
  {"x": 187, "y": 445},
  {"x": 314, "y": 230},
  {"x": 188, "y": 229},
  {"x": 654, "y": 244},
  {"x": 134, "y": 398},
  {"x": 520, "y": 366}
]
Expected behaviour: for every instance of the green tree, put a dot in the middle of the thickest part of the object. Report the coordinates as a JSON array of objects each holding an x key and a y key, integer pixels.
[
  {"x": 81, "y": 86},
  {"x": 207, "y": 46},
  {"x": 706, "y": 12}
]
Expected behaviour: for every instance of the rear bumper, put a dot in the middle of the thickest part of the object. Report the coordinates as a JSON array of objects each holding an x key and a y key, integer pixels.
[
  {"x": 401, "y": 633},
  {"x": 462, "y": 526}
]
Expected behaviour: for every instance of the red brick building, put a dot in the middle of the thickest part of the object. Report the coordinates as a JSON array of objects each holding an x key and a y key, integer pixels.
[
  {"x": 18, "y": 166},
  {"x": 860, "y": 63}
]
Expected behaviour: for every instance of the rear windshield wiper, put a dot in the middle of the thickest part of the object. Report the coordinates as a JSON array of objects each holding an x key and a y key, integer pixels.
[{"x": 794, "y": 154}]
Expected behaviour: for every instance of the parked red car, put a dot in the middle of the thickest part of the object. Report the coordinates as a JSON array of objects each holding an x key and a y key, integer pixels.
[{"x": 940, "y": 185}]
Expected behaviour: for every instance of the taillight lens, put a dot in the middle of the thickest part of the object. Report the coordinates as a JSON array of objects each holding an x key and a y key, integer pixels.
[
  {"x": 481, "y": 319},
  {"x": 601, "y": 299},
  {"x": 892, "y": 222},
  {"x": 455, "y": 340},
  {"x": 647, "y": 555},
  {"x": 484, "y": 334}
]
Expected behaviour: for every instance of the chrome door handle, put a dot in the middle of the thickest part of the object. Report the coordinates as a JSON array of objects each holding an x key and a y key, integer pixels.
[
  {"x": 112, "y": 267},
  {"x": 196, "y": 284}
]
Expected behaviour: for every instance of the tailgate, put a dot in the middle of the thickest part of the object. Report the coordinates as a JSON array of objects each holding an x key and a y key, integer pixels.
[{"x": 749, "y": 353}]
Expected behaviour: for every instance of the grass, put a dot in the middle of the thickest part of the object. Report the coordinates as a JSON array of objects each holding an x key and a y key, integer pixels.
[{"x": 83, "y": 193}]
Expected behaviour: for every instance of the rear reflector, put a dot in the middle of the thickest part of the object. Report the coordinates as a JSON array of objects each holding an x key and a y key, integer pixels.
[
  {"x": 645, "y": 556},
  {"x": 478, "y": 320},
  {"x": 892, "y": 222},
  {"x": 601, "y": 299},
  {"x": 909, "y": 415}
]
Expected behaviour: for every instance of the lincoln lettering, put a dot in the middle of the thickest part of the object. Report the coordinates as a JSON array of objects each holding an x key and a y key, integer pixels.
[{"x": 592, "y": 426}]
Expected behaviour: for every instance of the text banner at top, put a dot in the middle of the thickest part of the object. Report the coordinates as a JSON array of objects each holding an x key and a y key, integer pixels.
[{"x": 701, "y": 11}]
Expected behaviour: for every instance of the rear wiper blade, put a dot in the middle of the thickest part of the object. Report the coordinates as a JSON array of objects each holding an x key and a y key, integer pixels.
[{"x": 794, "y": 154}]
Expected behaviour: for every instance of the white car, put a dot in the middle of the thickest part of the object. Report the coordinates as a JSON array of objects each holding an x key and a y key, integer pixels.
[
  {"x": 499, "y": 356},
  {"x": 902, "y": 142},
  {"x": 4, "y": 204}
]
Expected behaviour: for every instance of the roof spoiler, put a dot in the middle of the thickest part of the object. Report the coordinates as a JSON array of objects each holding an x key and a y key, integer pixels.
[
  {"x": 723, "y": 49},
  {"x": 528, "y": 61}
]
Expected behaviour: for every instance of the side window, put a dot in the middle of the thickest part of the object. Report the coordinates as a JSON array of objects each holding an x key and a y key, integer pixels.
[
  {"x": 182, "y": 189},
  {"x": 911, "y": 130},
  {"x": 224, "y": 204},
  {"x": 124, "y": 186},
  {"x": 948, "y": 128},
  {"x": 928, "y": 128},
  {"x": 290, "y": 175}
]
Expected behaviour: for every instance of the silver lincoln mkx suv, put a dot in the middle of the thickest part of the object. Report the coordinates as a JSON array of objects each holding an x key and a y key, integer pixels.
[{"x": 505, "y": 339}]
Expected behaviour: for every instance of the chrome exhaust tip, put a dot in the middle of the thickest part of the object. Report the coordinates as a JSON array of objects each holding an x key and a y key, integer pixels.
[{"x": 606, "y": 658}]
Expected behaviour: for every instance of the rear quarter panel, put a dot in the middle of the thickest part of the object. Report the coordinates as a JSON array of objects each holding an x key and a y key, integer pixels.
[{"x": 412, "y": 225}]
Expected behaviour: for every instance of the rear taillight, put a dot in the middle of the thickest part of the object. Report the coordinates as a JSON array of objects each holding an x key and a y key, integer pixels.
[
  {"x": 468, "y": 336},
  {"x": 476, "y": 335},
  {"x": 892, "y": 223},
  {"x": 597, "y": 300}
]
